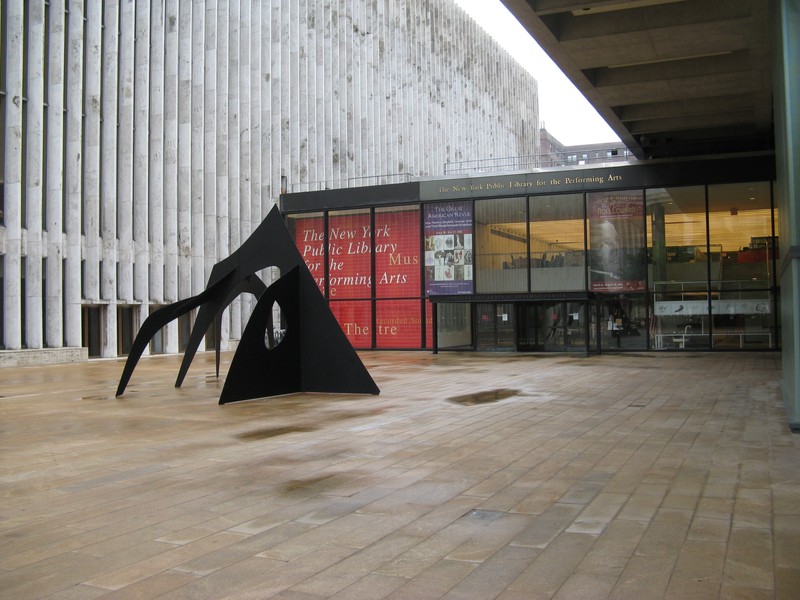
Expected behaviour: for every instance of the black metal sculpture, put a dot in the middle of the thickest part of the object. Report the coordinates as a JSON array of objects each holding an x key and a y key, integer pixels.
[{"x": 313, "y": 355}]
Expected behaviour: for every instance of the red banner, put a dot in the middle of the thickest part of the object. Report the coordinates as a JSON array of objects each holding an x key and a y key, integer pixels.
[
  {"x": 349, "y": 261},
  {"x": 397, "y": 263},
  {"x": 350, "y": 247}
]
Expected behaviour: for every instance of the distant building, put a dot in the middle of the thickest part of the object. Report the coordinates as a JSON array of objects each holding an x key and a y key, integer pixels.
[
  {"x": 552, "y": 154},
  {"x": 556, "y": 154}
]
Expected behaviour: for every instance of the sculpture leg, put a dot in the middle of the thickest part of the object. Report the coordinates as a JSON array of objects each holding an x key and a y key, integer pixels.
[
  {"x": 219, "y": 297},
  {"x": 149, "y": 328}
]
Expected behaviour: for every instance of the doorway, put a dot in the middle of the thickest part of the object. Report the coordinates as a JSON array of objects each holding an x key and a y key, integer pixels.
[
  {"x": 495, "y": 328},
  {"x": 92, "y": 330},
  {"x": 551, "y": 326}
]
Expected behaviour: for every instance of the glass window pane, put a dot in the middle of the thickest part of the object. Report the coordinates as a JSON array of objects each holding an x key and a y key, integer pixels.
[
  {"x": 397, "y": 247},
  {"x": 740, "y": 225},
  {"x": 557, "y": 243},
  {"x": 617, "y": 254},
  {"x": 349, "y": 260},
  {"x": 746, "y": 322},
  {"x": 454, "y": 325},
  {"x": 678, "y": 263},
  {"x": 501, "y": 235}
]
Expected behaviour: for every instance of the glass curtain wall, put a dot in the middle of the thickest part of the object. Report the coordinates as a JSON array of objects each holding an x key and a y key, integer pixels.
[
  {"x": 501, "y": 252},
  {"x": 689, "y": 267},
  {"x": 557, "y": 243},
  {"x": 678, "y": 267},
  {"x": 743, "y": 284}
]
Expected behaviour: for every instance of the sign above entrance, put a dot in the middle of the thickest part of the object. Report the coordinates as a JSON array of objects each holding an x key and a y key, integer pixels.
[{"x": 528, "y": 183}]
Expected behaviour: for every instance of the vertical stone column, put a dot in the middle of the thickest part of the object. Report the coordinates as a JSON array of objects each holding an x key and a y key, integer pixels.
[
  {"x": 265, "y": 130},
  {"x": 125, "y": 172},
  {"x": 301, "y": 158},
  {"x": 109, "y": 174},
  {"x": 269, "y": 191},
  {"x": 233, "y": 149},
  {"x": 221, "y": 147},
  {"x": 34, "y": 172},
  {"x": 184, "y": 208},
  {"x": 256, "y": 38},
  {"x": 245, "y": 137},
  {"x": 197, "y": 109},
  {"x": 91, "y": 144},
  {"x": 170, "y": 206},
  {"x": 326, "y": 94},
  {"x": 141, "y": 118},
  {"x": 276, "y": 96},
  {"x": 333, "y": 82},
  {"x": 350, "y": 65},
  {"x": 155, "y": 169},
  {"x": 282, "y": 140},
  {"x": 54, "y": 304},
  {"x": 209, "y": 171},
  {"x": 73, "y": 175},
  {"x": 12, "y": 186}
]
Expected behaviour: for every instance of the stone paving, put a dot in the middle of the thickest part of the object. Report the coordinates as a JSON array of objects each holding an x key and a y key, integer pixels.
[{"x": 471, "y": 476}]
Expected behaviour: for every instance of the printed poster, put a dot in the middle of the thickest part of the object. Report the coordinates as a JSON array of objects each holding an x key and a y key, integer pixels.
[
  {"x": 448, "y": 248},
  {"x": 617, "y": 242}
]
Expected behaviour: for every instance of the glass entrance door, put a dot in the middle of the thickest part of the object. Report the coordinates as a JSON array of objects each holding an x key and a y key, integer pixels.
[
  {"x": 495, "y": 328},
  {"x": 551, "y": 327}
]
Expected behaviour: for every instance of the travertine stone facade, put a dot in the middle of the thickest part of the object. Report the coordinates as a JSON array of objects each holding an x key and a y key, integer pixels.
[{"x": 143, "y": 140}]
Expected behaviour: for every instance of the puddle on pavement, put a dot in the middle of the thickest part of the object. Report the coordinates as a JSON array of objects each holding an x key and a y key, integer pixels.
[
  {"x": 296, "y": 485},
  {"x": 484, "y": 515},
  {"x": 485, "y": 397}
]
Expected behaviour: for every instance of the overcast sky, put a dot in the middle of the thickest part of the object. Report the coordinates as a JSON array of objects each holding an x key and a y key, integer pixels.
[{"x": 563, "y": 110}]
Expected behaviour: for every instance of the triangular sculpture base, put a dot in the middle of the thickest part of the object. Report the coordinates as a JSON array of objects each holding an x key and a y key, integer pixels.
[{"x": 313, "y": 355}]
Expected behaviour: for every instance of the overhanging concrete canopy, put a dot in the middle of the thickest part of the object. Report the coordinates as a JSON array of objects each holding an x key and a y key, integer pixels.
[{"x": 672, "y": 78}]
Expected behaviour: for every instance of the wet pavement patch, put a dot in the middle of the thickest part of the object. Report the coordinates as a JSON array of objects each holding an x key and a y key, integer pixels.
[
  {"x": 261, "y": 434},
  {"x": 485, "y": 397},
  {"x": 485, "y": 515}
]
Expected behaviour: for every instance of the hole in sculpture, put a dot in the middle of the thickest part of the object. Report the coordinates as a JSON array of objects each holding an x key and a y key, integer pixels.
[{"x": 276, "y": 330}]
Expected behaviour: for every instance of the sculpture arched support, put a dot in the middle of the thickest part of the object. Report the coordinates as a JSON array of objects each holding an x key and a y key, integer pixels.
[
  {"x": 210, "y": 310},
  {"x": 149, "y": 328}
]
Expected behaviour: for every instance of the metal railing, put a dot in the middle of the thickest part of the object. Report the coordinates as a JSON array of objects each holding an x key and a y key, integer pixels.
[
  {"x": 350, "y": 182},
  {"x": 568, "y": 158}
]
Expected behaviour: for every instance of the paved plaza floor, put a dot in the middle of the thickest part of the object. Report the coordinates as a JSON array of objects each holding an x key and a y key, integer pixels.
[{"x": 471, "y": 476}]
